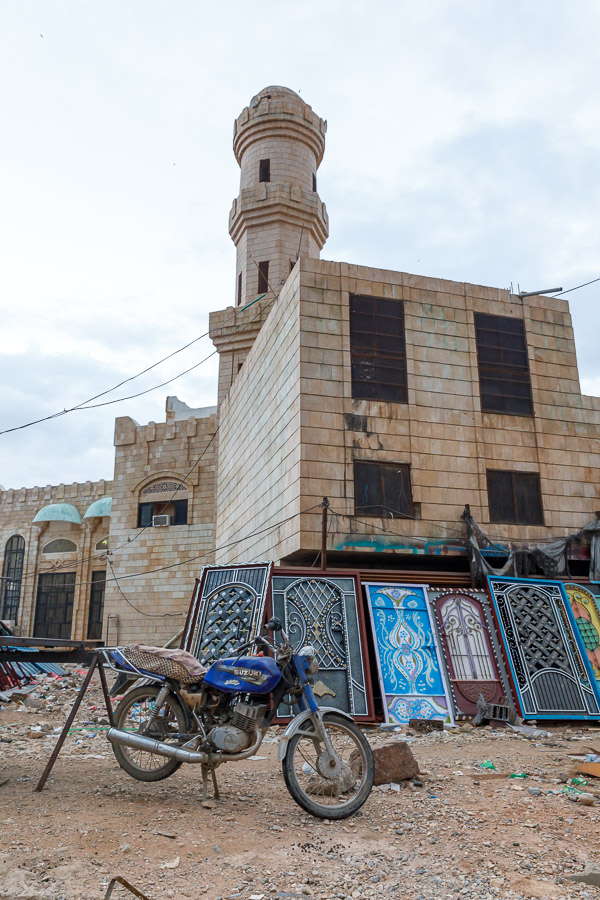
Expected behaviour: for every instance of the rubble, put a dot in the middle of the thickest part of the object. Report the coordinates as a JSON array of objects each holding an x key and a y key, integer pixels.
[
  {"x": 394, "y": 761},
  {"x": 459, "y": 836}
]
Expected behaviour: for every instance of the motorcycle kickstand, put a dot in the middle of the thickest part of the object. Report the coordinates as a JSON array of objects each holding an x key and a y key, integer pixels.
[{"x": 205, "y": 770}]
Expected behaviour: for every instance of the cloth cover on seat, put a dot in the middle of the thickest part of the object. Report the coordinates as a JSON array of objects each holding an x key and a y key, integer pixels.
[{"x": 171, "y": 663}]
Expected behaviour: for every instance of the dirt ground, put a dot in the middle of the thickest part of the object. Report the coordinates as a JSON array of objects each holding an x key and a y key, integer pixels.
[{"x": 458, "y": 835}]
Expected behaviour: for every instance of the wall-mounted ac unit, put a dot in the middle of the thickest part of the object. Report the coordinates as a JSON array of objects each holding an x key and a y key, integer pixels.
[{"x": 161, "y": 520}]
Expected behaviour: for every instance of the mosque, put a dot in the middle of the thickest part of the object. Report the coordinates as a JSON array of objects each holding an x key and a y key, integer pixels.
[{"x": 404, "y": 399}]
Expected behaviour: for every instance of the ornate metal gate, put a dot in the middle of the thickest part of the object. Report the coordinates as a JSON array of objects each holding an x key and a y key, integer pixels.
[
  {"x": 226, "y": 610},
  {"x": 551, "y": 675},
  {"x": 323, "y": 611},
  {"x": 470, "y": 645}
]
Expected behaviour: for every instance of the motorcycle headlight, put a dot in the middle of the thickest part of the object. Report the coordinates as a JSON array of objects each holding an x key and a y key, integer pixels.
[{"x": 309, "y": 654}]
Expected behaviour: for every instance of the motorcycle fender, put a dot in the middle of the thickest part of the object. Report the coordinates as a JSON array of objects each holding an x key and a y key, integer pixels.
[{"x": 297, "y": 723}]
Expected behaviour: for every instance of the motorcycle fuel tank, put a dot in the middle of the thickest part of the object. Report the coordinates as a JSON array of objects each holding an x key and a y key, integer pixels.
[{"x": 254, "y": 674}]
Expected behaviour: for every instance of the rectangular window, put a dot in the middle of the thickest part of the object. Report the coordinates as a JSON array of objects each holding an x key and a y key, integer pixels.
[
  {"x": 145, "y": 514},
  {"x": 54, "y": 605},
  {"x": 314, "y": 182},
  {"x": 382, "y": 489},
  {"x": 514, "y": 498},
  {"x": 263, "y": 277},
  {"x": 378, "y": 349},
  {"x": 97, "y": 589},
  {"x": 239, "y": 290},
  {"x": 180, "y": 512},
  {"x": 504, "y": 379},
  {"x": 264, "y": 170}
]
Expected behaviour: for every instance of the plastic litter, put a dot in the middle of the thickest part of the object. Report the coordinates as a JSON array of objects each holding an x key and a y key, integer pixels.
[{"x": 488, "y": 764}]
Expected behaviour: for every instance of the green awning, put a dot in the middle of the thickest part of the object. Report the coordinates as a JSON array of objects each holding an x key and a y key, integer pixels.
[
  {"x": 99, "y": 508},
  {"x": 58, "y": 512}
]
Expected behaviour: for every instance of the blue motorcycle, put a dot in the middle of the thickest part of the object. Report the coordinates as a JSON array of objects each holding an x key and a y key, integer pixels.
[{"x": 223, "y": 715}]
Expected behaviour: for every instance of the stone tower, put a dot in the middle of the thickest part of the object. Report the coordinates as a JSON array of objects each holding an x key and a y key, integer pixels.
[{"x": 278, "y": 216}]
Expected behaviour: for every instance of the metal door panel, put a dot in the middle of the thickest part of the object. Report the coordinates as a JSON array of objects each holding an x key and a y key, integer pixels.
[
  {"x": 226, "y": 610},
  {"x": 323, "y": 611},
  {"x": 413, "y": 683},
  {"x": 586, "y": 612},
  {"x": 549, "y": 668},
  {"x": 470, "y": 647}
]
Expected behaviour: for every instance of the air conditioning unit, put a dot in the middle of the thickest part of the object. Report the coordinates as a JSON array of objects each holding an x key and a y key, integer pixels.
[{"x": 160, "y": 520}]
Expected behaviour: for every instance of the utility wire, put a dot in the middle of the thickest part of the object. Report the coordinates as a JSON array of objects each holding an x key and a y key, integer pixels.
[
  {"x": 85, "y": 403},
  {"x": 576, "y": 288}
]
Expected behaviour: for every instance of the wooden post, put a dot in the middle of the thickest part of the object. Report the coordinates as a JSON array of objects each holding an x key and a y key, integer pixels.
[{"x": 324, "y": 507}]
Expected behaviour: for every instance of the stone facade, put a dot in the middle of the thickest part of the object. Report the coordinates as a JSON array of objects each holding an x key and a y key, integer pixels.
[
  {"x": 19, "y": 508},
  {"x": 293, "y": 402},
  {"x": 159, "y": 463},
  {"x": 242, "y": 481}
]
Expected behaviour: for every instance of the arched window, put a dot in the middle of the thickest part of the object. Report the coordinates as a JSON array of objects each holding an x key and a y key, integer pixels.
[
  {"x": 163, "y": 503},
  {"x": 60, "y": 545},
  {"x": 12, "y": 573},
  {"x": 102, "y": 544}
]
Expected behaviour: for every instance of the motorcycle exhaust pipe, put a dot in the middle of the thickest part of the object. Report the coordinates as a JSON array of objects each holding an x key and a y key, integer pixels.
[{"x": 148, "y": 745}]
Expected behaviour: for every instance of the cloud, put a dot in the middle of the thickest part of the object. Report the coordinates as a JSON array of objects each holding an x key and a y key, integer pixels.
[{"x": 463, "y": 142}]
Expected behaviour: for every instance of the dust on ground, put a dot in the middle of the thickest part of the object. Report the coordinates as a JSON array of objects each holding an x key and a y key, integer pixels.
[{"x": 458, "y": 835}]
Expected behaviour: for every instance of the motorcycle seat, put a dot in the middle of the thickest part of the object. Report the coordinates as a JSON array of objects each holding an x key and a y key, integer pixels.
[{"x": 171, "y": 663}]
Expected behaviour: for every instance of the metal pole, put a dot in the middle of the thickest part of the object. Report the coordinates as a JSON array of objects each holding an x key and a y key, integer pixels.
[
  {"x": 68, "y": 723},
  {"x": 324, "y": 507}
]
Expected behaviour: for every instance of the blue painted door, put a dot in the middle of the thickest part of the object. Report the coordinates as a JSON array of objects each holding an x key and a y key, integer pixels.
[{"x": 412, "y": 680}]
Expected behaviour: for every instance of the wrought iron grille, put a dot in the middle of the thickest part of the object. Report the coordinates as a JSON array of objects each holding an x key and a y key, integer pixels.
[
  {"x": 323, "y": 612},
  {"x": 12, "y": 574},
  {"x": 226, "y": 610},
  {"x": 97, "y": 590},
  {"x": 549, "y": 671},
  {"x": 464, "y": 629},
  {"x": 54, "y": 606}
]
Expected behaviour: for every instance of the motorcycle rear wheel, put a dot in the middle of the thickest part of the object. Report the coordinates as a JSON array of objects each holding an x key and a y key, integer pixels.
[
  {"x": 323, "y": 797},
  {"x": 132, "y": 714}
]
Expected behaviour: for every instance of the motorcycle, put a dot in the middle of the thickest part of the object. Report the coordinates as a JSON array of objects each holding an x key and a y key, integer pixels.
[{"x": 224, "y": 715}]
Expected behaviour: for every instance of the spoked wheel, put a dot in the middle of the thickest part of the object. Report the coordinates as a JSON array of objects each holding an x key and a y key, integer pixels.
[
  {"x": 134, "y": 714},
  {"x": 322, "y": 789}
]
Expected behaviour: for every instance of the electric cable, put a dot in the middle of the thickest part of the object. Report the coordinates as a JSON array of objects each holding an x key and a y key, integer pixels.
[
  {"x": 84, "y": 404},
  {"x": 560, "y": 293}
]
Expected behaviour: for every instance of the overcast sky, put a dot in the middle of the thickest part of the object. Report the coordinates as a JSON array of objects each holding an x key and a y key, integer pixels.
[{"x": 463, "y": 142}]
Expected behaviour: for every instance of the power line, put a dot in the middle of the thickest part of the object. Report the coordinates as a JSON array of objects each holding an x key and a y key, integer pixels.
[
  {"x": 85, "y": 404},
  {"x": 576, "y": 288}
]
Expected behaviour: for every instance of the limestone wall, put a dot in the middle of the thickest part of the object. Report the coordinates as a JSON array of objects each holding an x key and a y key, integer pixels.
[
  {"x": 155, "y": 604},
  {"x": 17, "y": 511},
  {"x": 441, "y": 432},
  {"x": 259, "y": 436}
]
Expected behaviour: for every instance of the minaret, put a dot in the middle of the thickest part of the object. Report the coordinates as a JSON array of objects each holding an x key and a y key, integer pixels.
[{"x": 278, "y": 142}]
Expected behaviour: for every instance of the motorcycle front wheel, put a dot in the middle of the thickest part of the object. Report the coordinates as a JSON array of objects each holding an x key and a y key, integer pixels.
[
  {"x": 308, "y": 776},
  {"x": 133, "y": 714}
]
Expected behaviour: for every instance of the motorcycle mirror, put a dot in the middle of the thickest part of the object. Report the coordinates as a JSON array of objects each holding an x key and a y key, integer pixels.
[{"x": 274, "y": 624}]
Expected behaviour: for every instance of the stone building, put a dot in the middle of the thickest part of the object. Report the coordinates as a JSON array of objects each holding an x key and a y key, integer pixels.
[{"x": 401, "y": 398}]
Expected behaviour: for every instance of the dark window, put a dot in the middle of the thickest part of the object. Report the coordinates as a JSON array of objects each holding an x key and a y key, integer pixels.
[
  {"x": 12, "y": 573},
  {"x": 264, "y": 170},
  {"x": 378, "y": 349},
  {"x": 503, "y": 365},
  {"x": 382, "y": 489},
  {"x": 98, "y": 586},
  {"x": 180, "y": 512},
  {"x": 176, "y": 511},
  {"x": 514, "y": 498},
  {"x": 54, "y": 606},
  {"x": 145, "y": 511},
  {"x": 263, "y": 277},
  {"x": 314, "y": 182},
  {"x": 239, "y": 290}
]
